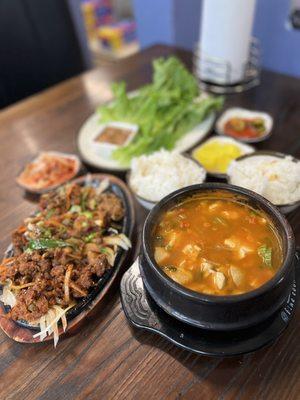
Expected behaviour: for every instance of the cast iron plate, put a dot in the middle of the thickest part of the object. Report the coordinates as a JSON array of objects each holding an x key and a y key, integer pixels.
[
  {"x": 127, "y": 224},
  {"x": 142, "y": 312}
]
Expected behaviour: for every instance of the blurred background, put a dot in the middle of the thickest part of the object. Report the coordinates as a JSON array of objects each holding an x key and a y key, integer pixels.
[{"x": 45, "y": 42}]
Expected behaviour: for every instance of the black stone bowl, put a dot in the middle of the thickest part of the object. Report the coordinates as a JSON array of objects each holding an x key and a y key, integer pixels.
[{"x": 218, "y": 312}]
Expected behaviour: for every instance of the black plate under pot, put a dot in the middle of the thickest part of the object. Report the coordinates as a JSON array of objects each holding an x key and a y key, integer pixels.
[
  {"x": 214, "y": 312},
  {"x": 126, "y": 227},
  {"x": 142, "y": 312}
]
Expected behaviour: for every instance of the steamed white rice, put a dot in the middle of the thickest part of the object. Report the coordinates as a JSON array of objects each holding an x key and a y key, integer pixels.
[
  {"x": 277, "y": 179},
  {"x": 158, "y": 174}
]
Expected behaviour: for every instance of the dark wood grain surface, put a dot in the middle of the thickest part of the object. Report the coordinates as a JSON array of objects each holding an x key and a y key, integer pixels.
[{"x": 107, "y": 359}]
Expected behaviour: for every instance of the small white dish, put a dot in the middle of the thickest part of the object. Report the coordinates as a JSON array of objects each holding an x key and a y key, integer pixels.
[
  {"x": 244, "y": 113},
  {"x": 245, "y": 148},
  {"x": 105, "y": 149}
]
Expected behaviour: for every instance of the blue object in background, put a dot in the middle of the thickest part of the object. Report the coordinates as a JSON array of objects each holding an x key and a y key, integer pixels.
[
  {"x": 177, "y": 22},
  {"x": 167, "y": 21},
  {"x": 280, "y": 44},
  {"x": 154, "y": 21},
  {"x": 187, "y": 15}
]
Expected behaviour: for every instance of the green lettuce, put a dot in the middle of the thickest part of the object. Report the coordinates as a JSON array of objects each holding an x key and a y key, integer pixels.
[{"x": 164, "y": 110}]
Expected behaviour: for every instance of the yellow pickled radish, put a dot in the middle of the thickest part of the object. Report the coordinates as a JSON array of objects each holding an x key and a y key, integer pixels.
[{"x": 216, "y": 155}]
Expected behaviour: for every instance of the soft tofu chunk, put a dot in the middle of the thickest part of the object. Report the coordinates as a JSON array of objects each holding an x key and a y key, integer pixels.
[
  {"x": 219, "y": 280},
  {"x": 230, "y": 243},
  {"x": 230, "y": 214},
  {"x": 241, "y": 249},
  {"x": 214, "y": 206},
  {"x": 206, "y": 267},
  {"x": 160, "y": 255},
  {"x": 172, "y": 238},
  {"x": 192, "y": 251},
  {"x": 182, "y": 276},
  {"x": 237, "y": 275}
]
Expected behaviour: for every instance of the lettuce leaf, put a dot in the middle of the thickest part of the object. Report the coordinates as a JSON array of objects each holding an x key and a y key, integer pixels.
[{"x": 164, "y": 110}]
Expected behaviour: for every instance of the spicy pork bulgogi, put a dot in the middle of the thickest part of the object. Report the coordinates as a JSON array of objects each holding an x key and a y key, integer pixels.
[{"x": 60, "y": 253}]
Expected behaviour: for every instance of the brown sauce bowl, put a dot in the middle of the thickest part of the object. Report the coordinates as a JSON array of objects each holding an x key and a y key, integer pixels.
[{"x": 211, "y": 311}]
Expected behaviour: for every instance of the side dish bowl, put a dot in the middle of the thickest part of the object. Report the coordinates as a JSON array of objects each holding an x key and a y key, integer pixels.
[
  {"x": 243, "y": 113},
  {"x": 285, "y": 208},
  {"x": 40, "y": 168},
  {"x": 221, "y": 140},
  {"x": 210, "y": 311},
  {"x": 161, "y": 176},
  {"x": 105, "y": 148}
]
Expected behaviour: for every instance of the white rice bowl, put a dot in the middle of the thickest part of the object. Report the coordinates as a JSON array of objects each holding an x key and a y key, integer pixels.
[
  {"x": 275, "y": 178},
  {"x": 156, "y": 175}
]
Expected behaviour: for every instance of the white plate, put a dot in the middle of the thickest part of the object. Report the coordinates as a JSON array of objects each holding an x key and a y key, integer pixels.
[{"x": 92, "y": 125}]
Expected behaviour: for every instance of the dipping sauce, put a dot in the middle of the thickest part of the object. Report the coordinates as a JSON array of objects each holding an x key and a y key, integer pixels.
[
  {"x": 114, "y": 135},
  {"x": 216, "y": 245},
  {"x": 245, "y": 127},
  {"x": 216, "y": 154}
]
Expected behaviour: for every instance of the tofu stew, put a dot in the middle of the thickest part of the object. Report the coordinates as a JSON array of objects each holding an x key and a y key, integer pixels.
[{"x": 216, "y": 245}]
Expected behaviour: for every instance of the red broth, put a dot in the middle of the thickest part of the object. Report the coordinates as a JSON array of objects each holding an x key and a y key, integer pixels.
[{"x": 217, "y": 246}]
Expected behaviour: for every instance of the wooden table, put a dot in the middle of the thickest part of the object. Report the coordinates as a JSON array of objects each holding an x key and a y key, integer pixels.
[{"x": 107, "y": 359}]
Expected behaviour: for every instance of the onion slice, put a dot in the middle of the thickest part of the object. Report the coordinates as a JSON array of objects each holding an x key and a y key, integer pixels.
[
  {"x": 43, "y": 327},
  {"x": 51, "y": 319},
  {"x": 120, "y": 240},
  {"x": 7, "y": 297},
  {"x": 66, "y": 283},
  {"x": 110, "y": 255},
  {"x": 19, "y": 287},
  {"x": 78, "y": 289},
  {"x": 103, "y": 186}
]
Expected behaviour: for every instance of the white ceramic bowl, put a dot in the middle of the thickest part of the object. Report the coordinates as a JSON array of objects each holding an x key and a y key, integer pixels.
[
  {"x": 149, "y": 204},
  {"x": 244, "y": 113},
  {"x": 105, "y": 149},
  {"x": 245, "y": 148},
  {"x": 284, "y": 208}
]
